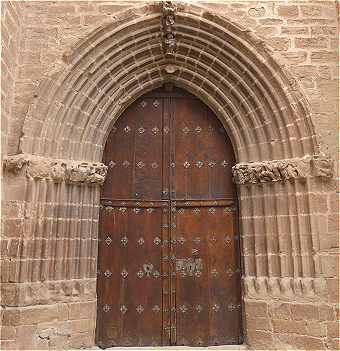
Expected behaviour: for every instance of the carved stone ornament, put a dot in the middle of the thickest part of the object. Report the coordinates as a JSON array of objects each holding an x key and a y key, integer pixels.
[
  {"x": 281, "y": 170},
  {"x": 168, "y": 9},
  {"x": 38, "y": 167}
]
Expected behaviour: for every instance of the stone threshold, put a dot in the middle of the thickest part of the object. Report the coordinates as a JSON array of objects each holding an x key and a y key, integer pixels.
[{"x": 164, "y": 348}]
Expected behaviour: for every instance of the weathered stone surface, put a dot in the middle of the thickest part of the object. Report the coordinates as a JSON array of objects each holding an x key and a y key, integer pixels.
[
  {"x": 35, "y": 293},
  {"x": 285, "y": 288},
  {"x": 288, "y": 11},
  {"x": 282, "y": 170},
  {"x": 38, "y": 167},
  {"x": 305, "y": 312}
]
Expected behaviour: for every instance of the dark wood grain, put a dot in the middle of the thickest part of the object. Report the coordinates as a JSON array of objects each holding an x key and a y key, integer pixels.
[{"x": 169, "y": 220}]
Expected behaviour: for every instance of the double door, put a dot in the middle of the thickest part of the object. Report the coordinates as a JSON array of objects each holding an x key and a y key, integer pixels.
[{"x": 168, "y": 261}]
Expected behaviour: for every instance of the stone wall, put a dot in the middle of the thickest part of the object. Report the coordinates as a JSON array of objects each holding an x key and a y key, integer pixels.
[
  {"x": 303, "y": 36},
  {"x": 11, "y": 33},
  {"x": 50, "y": 206}
]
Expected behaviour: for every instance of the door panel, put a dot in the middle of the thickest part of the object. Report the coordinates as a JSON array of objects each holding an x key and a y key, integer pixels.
[
  {"x": 134, "y": 153},
  {"x": 208, "y": 274},
  {"x": 168, "y": 255},
  {"x": 130, "y": 284},
  {"x": 203, "y": 152}
]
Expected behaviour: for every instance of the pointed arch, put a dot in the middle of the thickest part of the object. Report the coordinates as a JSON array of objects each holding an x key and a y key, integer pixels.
[{"x": 226, "y": 66}]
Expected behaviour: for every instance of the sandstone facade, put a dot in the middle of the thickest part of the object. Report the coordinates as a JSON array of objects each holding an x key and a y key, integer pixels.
[{"x": 269, "y": 71}]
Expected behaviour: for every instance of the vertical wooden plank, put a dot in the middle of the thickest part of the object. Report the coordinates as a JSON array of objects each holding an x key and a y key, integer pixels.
[
  {"x": 204, "y": 159},
  {"x": 166, "y": 272},
  {"x": 172, "y": 253},
  {"x": 166, "y": 276}
]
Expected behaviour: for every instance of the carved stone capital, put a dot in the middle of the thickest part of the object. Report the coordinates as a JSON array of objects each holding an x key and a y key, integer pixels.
[
  {"x": 38, "y": 167},
  {"x": 248, "y": 173}
]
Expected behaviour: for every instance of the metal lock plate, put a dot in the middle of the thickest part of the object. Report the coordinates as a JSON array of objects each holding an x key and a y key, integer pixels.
[{"x": 189, "y": 266}]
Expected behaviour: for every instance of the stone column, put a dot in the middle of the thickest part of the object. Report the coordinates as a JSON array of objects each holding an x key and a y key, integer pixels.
[
  {"x": 49, "y": 251},
  {"x": 288, "y": 293}
]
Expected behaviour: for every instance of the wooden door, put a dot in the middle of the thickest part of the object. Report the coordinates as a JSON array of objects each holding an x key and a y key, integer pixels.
[{"x": 168, "y": 261}]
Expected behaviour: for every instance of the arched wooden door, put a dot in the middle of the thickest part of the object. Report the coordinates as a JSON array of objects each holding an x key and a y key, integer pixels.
[{"x": 169, "y": 270}]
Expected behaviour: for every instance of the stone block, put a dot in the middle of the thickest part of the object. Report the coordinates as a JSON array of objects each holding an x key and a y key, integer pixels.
[
  {"x": 81, "y": 326},
  {"x": 9, "y": 294},
  {"x": 255, "y": 308},
  {"x": 260, "y": 340},
  {"x": 325, "y": 57},
  {"x": 333, "y": 223},
  {"x": 288, "y": 10},
  {"x": 333, "y": 344},
  {"x": 323, "y": 30},
  {"x": 330, "y": 265},
  {"x": 38, "y": 314},
  {"x": 12, "y": 209},
  {"x": 294, "y": 57},
  {"x": 329, "y": 241},
  {"x": 81, "y": 310},
  {"x": 8, "y": 345},
  {"x": 294, "y": 30},
  {"x": 317, "y": 329},
  {"x": 270, "y": 21},
  {"x": 61, "y": 10},
  {"x": 280, "y": 311},
  {"x": 333, "y": 290},
  {"x": 111, "y": 8},
  {"x": 10, "y": 316},
  {"x": 63, "y": 310},
  {"x": 25, "y": 337},
  {"x": 304, "y": 312},
  {"x": 289, "y": 326},
  {"x": 81, "y": 340},
  {"x": 4, "y": 270},
  {"x": 58, "y": 342},
  {"x": 7, "y": 332},
  {"x": 13, "y": 228},
  {"x": 258, "y": 324},
  {"x": 279, "y": 43},
  {"x": 301, "y": 342},
  {"x": 311, "y": 10},
  {"x": 311, "y": 43},
  {"x": 89, "y": 20},
  {"x": 266, "y": 31},
  {"x": 326, "y": 313},
  {"x": 333, "y": 329}
]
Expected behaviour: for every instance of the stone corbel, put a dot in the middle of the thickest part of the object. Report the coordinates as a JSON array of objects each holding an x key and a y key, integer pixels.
[
  {"x": 248, "y": 173},
  {"x": 56, "y": 170}
]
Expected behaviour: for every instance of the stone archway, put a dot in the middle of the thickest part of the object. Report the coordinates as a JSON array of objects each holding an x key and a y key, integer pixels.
[{"x": 59, "y": 171}]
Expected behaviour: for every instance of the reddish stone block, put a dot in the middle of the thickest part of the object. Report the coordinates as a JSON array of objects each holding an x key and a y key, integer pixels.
[{"x": 288, "y": 11}]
